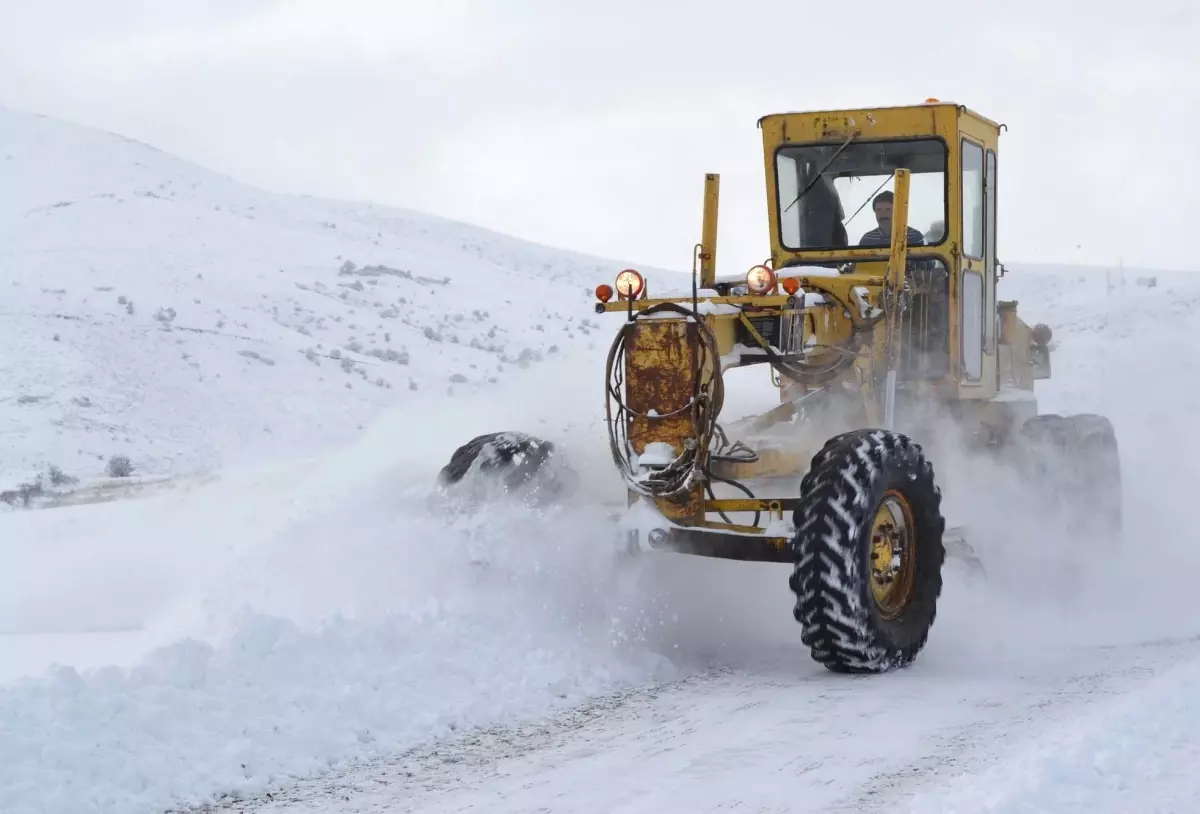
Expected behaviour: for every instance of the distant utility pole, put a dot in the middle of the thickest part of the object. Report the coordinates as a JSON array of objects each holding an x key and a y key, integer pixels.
[{"x": 1109, "y": 286}]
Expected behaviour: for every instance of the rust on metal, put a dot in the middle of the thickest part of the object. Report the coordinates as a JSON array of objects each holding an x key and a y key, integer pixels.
[{"x": 659, "y": 374}]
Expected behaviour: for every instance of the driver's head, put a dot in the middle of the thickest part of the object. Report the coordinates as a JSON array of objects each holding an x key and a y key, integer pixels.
[{"x": 883, "y": 211}]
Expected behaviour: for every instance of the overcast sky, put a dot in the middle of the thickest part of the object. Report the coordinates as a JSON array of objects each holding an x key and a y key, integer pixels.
[{"x": 590, "y": 125}]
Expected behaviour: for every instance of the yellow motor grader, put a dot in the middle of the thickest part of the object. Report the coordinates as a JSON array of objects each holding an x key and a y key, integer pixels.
[{"x": 881, "y": 346}]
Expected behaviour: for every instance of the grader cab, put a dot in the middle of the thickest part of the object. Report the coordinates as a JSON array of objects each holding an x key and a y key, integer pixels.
[{"x": 877, "y": 315}]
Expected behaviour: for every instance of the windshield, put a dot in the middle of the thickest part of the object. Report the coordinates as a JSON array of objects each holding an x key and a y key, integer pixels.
[{"x": 840, "y": 207}]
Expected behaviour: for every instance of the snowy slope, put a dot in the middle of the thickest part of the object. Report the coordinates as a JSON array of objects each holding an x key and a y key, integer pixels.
[
  {"x": 159, "y": 311},
  {"x": 153, "y": 309},
  {"x": 302, "y": 622}
]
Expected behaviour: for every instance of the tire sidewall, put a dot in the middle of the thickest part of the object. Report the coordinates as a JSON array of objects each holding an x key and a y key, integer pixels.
[{"x": 903, "y": 473}]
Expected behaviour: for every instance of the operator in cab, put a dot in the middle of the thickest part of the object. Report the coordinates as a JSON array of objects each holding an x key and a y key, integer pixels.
[{"x": 882, "y": 234}]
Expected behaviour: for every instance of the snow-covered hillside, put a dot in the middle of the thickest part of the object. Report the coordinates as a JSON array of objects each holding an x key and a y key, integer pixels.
[
  {"x": 312, "y": 626},
  {"x": 152, "y": 309}
]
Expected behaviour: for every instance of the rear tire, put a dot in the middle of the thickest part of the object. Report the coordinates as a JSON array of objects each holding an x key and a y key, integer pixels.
[
  {"x": 854, "y": 618},
  {"x": 1074, "y": 464},
  {"x": 1100, "y": 469}
]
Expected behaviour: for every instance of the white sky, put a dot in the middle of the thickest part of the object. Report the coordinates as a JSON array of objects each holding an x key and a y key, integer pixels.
[{"x": 590, "y": 125}]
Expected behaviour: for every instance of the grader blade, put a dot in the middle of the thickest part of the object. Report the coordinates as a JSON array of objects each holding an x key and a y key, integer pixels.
[{"x": 957, "y": 548}]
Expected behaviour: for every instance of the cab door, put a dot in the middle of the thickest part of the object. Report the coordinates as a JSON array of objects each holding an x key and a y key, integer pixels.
[
  {"x": 991, "y": 316},
  {"x": 974, "y": 263}
]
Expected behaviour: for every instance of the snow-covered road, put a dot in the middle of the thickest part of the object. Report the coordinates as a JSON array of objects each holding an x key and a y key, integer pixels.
[{"x": 783, "y": 737}]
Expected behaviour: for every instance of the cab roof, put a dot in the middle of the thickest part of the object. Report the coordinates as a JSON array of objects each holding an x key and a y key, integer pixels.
[{"x": 851, "y": 110}]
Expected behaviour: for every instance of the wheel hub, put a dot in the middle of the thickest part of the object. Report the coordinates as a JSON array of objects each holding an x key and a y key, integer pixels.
[{"x": 892, "y": 555}]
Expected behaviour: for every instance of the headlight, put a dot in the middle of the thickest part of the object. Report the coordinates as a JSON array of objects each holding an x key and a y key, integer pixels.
[
  {"x": 760, "y": 280},
  {"x": 629, "y": 284}
]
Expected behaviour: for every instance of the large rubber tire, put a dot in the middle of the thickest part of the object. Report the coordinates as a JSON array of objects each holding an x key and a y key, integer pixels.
[
  {"x": 849, "y": 480},
  {"x": 1073, "y": 464},
  {"x": 519, "y": 464}
]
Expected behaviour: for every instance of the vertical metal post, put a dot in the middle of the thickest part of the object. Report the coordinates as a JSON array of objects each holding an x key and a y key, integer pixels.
[
  {"x": 708, "y": 233},
  {"x": 894, "y": 285}
]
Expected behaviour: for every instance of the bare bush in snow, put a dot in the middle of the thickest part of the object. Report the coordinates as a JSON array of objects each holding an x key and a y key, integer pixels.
[
  {"x": 119, "y": 466},
  {"x": 59, "y": 478},
  {"x": 389, "y": 355},
  {"x": 253, "y": 354}
]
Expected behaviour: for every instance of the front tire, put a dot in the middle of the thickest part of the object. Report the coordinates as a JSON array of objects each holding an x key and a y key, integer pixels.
[
  {"x": 508, "y": 464},
  {"x": 868, "y": 552}
]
